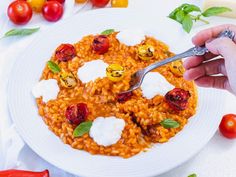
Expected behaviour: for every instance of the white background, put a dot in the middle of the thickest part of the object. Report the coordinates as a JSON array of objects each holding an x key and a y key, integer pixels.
[{"x": 217, "y": 159}]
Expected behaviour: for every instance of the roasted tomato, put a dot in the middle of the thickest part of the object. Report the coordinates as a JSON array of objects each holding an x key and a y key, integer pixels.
[
  {"x": 99, "y": 3},
  {"x": 228, "y": 126},
  {"x": 177, "y": 68},
  {"x": 80, "y": 1},
  {"x": 100, "y": 44},
  {"x": 19, "y": 12},
  {"x": 115, "y": 72},
  {"x": 36, "y": 5},
  {"x": 76, "y": 113},
  {"x": 65, "y": 52},
  {"x": 123, "y": 97},
  {"x": 60, "y": 1},
  {"x": 177, "y": 99},
  {"x": 146, "y": 52},
  {"x": 68, "y": 80},
  {"x": 52, "y": 11}
]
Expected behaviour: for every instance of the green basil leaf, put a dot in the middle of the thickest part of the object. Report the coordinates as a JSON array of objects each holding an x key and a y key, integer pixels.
[
  {"x": 53, "y": 67},
  {"x": 180, "y": 16},
  {"x": 21, "y": 32},
  {"x": 187, "y": 23},
  {"x": 191, "y": 8},
  {"x": 192, "y": 175},
  {"x": 215, "y": 11},
  {"x": 82, "y": 128},
  {"x": 170, "y": 123},
  {"x": 108, "y": 31}
]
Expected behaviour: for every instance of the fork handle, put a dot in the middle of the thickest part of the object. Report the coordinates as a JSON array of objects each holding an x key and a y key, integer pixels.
[{"x": 195, "y": 51}]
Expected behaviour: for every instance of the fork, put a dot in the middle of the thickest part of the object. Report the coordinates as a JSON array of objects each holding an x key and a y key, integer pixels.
[{"x": 137, "y": 78}]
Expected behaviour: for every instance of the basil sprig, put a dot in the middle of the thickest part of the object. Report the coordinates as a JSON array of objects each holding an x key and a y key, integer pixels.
[
  {"x": 53, "y": 67},
  {"x": 192, "y": 175},
  {"x": 21, "y": 32},
  {"x": 170, "y": 123},
  {"x": 182, "y": 14},
  {"x": 108, "y": 31},
  {"x": 82, "y": 128}
]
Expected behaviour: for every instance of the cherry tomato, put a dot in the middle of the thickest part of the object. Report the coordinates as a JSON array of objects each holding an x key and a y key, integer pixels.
[
  {"x": 77, "y": 113},
  {"x": 52, "y": 11},
  {"x": 100, "y": 3},
  {"x": 177, "y": 68},
  {"x": 36, "y": 5},
  {"x": 119, "y": 3},
  {"x": 123, "y": 97},
  {"x": 146, "y": 52},
  {"x": 65, "y": 52},
  {"x": 22, "y": 173},
  {"x": 115, "y": 72},
  {"x": 19, "y": 12},
  {"x": 100, "y": 44},
  {"x": 228, "y": 126},
  {"x": 80, "y": 1},
  {"x": 68, "y": 80},
  {"x": 177, "y": 99},
  {"x": 60, "y": 1}
]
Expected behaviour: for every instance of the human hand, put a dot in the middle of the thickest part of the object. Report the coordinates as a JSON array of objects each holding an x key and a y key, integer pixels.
[{"x": 203, "y": 70}]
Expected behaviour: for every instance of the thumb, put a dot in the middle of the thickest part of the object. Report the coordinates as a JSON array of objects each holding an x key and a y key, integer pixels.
[{"x": 222, "y": 46}]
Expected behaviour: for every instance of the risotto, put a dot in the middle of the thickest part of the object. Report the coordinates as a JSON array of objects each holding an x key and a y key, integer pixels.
[{"x": 145, "y": 121}]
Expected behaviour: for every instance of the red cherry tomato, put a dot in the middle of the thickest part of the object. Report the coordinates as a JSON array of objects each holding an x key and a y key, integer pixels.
[
  {"x": 19, "y": 12},
  {"x": 100, "y": 3},
  {"x": 177, "y": 99},
  {"x": 60, "y": 1},
  {"x": 77, "y": 113},
  {"x": 100, "y": 44},
  {"x": 52, "y": 11},
  {"x": 228, "y": 126},
  {"x": 65, "y": 52}
]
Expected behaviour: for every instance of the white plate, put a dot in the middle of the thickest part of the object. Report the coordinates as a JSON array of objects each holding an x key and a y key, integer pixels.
[{"x": 160, "y": 158}]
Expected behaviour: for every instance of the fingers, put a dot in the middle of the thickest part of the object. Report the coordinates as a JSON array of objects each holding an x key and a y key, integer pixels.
[
  {"x": 205, "y": 35},
  {"x": 205, "y": 69},
  {"x": 219, "y": 82}
]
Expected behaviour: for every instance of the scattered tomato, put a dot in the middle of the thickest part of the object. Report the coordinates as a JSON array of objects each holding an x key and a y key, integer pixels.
[
  {"x": 100, "y": 44},
  {"x": 80, "y": 1},
  {"x": 177, "y": 68},
  {"x": 100, "y": 3},
  {"x": 177, "y": 99},
  {"x": 115, "y": 72},
  {"x": 68, "y": 80},
  {"x": 60, "y": 1},
  {"x": 146, "y": 52},
  {"x": 228, "y": 126},
  {"x": 52, "y": 11},
  {"x": 77, "y": 113},
  {"x": 65, "y": 52},
  {"x": 23, "y": 173},
  {"x": 119, "y": 3},
  {"x": 36, "y": 5},
  {"x": 123, "y": 97},
  {"x": 19, "y": 12}
]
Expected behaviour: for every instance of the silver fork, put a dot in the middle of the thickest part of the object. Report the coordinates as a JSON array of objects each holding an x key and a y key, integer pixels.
[{"x": 137, "y": 78}]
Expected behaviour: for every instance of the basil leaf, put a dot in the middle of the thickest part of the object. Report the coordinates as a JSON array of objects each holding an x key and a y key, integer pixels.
[
  {"x": 53, "y": 67},
  {"x": 108, "y": 31},
  {"x": 215, "y": 11},
  {"x": 170, "y": 123},
  {"x": 187, "y": 23},
  {"x": 192, "y": 175},
  {"x": 21, "y": 32},
  {"x": 191, "y": 8},
  {"x": 82, "y": 128},
  {"x": 180, "y": 16}
]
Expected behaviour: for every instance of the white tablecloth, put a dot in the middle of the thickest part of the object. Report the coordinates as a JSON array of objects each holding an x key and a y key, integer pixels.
[{"x": 217, "y": 158}]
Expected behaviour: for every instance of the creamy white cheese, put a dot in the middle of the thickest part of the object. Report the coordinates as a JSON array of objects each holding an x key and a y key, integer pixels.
[
  {"x": 131, "y": 37},
  {"x": 92, "y": 70},
  {"x": 155, "y": 84},
  {"x": 48, "y": 89},
  {"x": 106, "y": 131}
]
